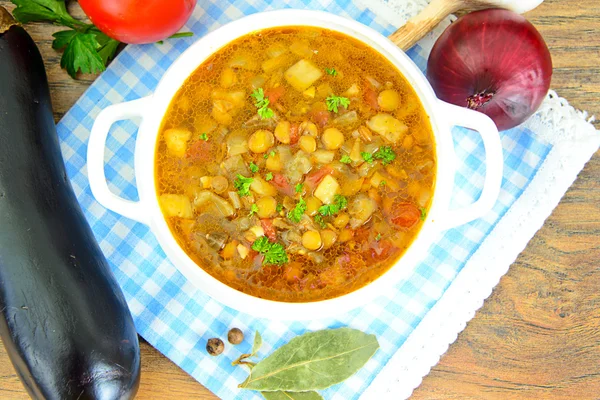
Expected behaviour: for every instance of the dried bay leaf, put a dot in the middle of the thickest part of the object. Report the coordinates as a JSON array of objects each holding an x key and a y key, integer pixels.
[
  {"x": 241, "y": 360},
  {"x": 291, "y": 395},
  {"x": 313, "y": 361}
]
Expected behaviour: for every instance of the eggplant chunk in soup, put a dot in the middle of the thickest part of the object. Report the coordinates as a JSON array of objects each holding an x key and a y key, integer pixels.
[{"x": 295, "y": 165}]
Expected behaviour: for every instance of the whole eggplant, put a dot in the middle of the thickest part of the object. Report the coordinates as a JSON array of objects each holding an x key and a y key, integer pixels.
[{"x": 63, "y": 318}]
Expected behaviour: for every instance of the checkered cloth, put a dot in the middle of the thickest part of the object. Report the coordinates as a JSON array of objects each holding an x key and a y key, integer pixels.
[{"x": 176, "y": 318}]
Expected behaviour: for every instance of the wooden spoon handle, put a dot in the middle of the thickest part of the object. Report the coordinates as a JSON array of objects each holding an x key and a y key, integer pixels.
[{"x": 418, "y": 26}]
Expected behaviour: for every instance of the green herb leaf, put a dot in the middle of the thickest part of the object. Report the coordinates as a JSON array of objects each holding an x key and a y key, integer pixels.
[
  {"x": 423, "y": 213},
  {"x": 299, "y": 187},
  {"x": 274, "y": 253},
  {"x": 313, "y": 361},
  {"x": 385, "y": 154},
  {"x": 378, "y": 237},
  {"x": 339, "y": 203},
  {"x": 44, "y": 10},
  {"x": 204, "y": 136},
  {"x": 346, "y": 159},
  {"x": 296, "y": 214},
  {"x": 253, "y": 167},
  {"x": 319, "y": 220},
  {"x": 253, "y": 210},
  {"x": 257, "y": 343},
  {"x": 331, "y": 71},
  {"x": 269, "y": 154},
  {"x": 262, "y": 104},
  {"x": 242, "y": 184},
  {"x": 382, "y": 183},
  {"x": 279, "y": 207},
  {"x": 269, "y": 176},
  {"x": 180, "y": 35},
  {"x": 291, "y": 395},
  {"x": 241, "y": 360},
  {"x": 368, "y": 157},
  {"x": 333, "y": 102},
  {"x": 81, "y": 53},
  {"x": 108, "y": 47}
]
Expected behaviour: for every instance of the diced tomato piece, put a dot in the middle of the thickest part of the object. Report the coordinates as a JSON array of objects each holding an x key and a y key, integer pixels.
[
  {"x": 382, "y": 250},
  {"x": 274, "y": 94},
  {"x": 269, "y": 229},
  {"x": 201, "y": 150},
  {"x": 313, "y": 179},
  {"x": 282, "y": 184},
  {"x": 370, "y": 95},
  {"x": 405, "y": 215},
  {"x": 294, "y": 133},
  {"x": 321, "y": 118}
]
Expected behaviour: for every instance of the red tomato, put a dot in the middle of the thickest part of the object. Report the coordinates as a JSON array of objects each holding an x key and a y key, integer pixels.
[
  {"x": 269, "y": 229},
  {"x": 370, "y": 95},
  {"x": 320, "y": 117},
  {"x": 200, "y": 150},
  {"x": 282, "y": 184},
  {"x": 317, "y": 176},
  {"x": 294, "y": 133},
  {"x": 138, "y": 21},
  {"x": 405, "y": 215},
  {"x": 274, "y": 94}
]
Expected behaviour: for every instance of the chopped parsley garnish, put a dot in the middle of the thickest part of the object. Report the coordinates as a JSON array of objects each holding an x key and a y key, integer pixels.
[
  {"x": 296, "y": 214},
  {"x": 385, "y": 154},
  {"x": 423, "y": 213},
  {"x": 279, "y": 207},
  {"x": 204, "y": 136},
  {"x": 319, "y": 220},
  {"x": 274, "y": 253},
  {"x": 368, "y": 157},
  {"x": 346, "y": 159},
  {"x": 253, "y": 210},
  {"x": 339, "y": 203},
  {"x": 382, "y": 183},
  {"x": 299, "y": 187},
  {"x": 253, "y": 167},
  {"x": 262, "y": 104},
  {"x": 333, "y": 102},
  {"x": 331, "y": 71},
  {"x": 378, "y": 237},
  {"x": 242, "y": 184},
  {"x": 269, "y": 176},
  {"x": 269, "y": 154}
]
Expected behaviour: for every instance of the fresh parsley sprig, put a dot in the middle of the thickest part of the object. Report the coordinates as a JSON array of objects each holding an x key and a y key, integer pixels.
[
  {"x": 339, "y": 203},
  {"x": 262, "y": 104},
  {"x": 296, "y": 214},
  {"x": 274, "y": 253},
  {"x": 333, "y": 102},
  {"x": 242, "y": 184}
]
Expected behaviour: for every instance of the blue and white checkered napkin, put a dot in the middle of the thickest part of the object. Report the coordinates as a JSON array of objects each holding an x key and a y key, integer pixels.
[{"x": 178, "y": 320}]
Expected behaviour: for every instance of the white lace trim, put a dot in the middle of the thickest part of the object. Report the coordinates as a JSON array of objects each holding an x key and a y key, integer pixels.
[{"x": 574, "y": 141}]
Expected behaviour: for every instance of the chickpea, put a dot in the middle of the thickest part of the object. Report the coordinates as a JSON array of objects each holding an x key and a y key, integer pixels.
[
  {"x": 332, "y": 138},
  {"x": 388, "y": 100},
  {"x": 309, "y": 128},
  {"x": 345, "y": 235},
  {"x": 261, "y": 141},
  {"x": 219, "y": 184},
  {"x": 266, "y": 207},
  {"x": 312, "y": 240},
  {"x": 329, "y": 237},
  {"x": 312, "y": 205},
  {"x": 307, "y": 143},
  {"x": 282, "y": 132},
  {"x": 341, "y": 221}
]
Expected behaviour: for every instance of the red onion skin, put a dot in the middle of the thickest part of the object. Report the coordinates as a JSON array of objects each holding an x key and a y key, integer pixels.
[{"x": 494, "y": 61}]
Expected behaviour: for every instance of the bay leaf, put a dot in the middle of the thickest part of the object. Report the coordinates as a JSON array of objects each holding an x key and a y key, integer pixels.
[
  {"x": 241, "y": 360},
  {"x": 313, "y": 361},
  {"x": 257, "y": 343},
  {"x": 291, "y": 395}
]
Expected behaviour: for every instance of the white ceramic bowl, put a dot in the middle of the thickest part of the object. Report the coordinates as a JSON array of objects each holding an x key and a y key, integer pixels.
[{"x": 152, "y": 110}]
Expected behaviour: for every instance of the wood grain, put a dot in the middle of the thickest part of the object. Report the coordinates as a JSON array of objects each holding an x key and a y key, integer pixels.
[{"x": 538, "y": 335}]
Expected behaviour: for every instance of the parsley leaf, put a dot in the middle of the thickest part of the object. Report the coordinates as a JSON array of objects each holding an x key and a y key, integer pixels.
[
  {"x": 368, "y": 157},
  {"x": 423, "y": 213},
  {"x": 339, "y": 203},
  {"x": 382, "y": 183},
  {"x": 299, "y": 187},
  {"x": 44, "y": 10},
  {"x": 333, "y": 102},
  {"x": 319, "y": 220},
  {"x": 378, "y": 237},
  {"x": 331, "y": 71},
  {"x": 269, "y": 154},
  {"x": 269, "y": 176},
  {"x": 253, "y": 167},
  {"x": 242, "y": 184},
  {"x": 262, "y": 104},
  {"x": 346, "y": 159},
  {"x": 279, "y": 207},
  {"x": 204, "y": 136},
  {"x": 385, "y": 154},
  {"x": 253, "y": 210},
  {"x": 81, "y": 52},
  {"x": 274, "y": 253},
  {"x": 296, "y": 214}
]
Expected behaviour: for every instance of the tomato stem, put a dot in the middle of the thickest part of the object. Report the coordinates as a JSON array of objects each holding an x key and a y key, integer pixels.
[{"x": 480, "y": 99}]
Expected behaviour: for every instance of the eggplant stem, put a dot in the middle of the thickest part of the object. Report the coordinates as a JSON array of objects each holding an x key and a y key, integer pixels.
[
  {"x": 6, "y": 20},
  {"x": 478, "y": 100}
]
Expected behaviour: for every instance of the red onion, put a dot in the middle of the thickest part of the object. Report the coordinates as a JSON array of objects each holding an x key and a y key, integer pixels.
[{"x": 493, "y": 61}]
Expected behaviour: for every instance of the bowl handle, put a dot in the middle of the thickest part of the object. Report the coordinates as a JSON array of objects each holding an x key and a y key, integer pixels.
[
  {"x": 95, "y": 159},
  {"x": 460, "y": 116}
]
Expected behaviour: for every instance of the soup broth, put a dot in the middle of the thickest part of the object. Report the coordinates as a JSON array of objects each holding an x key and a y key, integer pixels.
[{"x": 295, "y": 164}]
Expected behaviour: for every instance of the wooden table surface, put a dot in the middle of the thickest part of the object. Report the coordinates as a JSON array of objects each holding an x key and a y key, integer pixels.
[{"x": 538, "y": 335}]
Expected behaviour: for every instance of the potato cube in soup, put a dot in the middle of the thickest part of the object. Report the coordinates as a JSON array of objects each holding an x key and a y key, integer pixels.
[
  {"x": 302, "y": 75},
  {"x": 176, "y": 140},
  {"x": 176, "y": 205},
  {"x": 327, "y": 189},
  {"x": 388, "y": 127}
]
